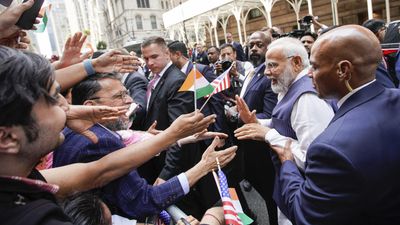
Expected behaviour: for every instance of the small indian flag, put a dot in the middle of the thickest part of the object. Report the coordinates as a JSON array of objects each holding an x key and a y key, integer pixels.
[
  {"x": 236, "y": 203},
  {"x": 202, "y": 86}
]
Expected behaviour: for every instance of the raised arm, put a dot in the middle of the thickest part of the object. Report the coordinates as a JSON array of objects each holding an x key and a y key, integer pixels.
[{"x": 82, "y": 177}]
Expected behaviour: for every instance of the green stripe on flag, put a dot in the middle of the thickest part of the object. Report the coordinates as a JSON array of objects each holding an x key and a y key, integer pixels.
[
  {"x": 204, "y": 91},
  {"x": 42, "y": 26},
  {"x": 245, "y": 219}
]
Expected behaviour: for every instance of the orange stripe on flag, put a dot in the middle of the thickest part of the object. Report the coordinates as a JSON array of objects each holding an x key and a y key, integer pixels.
[{"x": 233, "y": 194}]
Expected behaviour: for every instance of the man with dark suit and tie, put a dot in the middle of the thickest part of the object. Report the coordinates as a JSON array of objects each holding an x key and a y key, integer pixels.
[
  {"x": 238, "y": 47},
  {"x": 351, "y": 170},
  {"x": 202, "y": 197},
  {"x": 258, "y": 95},
  {"x": 164, "y": 103}
]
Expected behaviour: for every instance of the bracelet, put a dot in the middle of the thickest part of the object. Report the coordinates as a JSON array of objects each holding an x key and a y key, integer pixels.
[
  {"x": 208, "y": 214},
  {"x": 89, "y": 67}
]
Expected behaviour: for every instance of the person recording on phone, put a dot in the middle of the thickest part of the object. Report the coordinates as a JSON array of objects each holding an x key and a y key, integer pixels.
[{"x": 10, "y": 34}]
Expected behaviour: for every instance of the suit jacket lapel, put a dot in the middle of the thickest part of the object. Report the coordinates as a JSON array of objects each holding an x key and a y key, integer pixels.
[
  {"x": 359, "y": 98},
  {"x": 158, "y": 88},
  {"x": 256, "y": 77}
]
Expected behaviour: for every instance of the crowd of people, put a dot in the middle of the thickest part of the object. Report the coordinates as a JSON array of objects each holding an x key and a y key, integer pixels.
[{"x": 308, "y": 122}]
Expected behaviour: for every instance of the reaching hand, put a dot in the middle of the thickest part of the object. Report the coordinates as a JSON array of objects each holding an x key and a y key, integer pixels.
[
  {"x": 81, "y": 118},
  {"x": 72, "y": 50},
  {"x": 18, "y": 40},
  {"x": 284, "y": 153},
  {"x": 208, "y": 159},
  {"x": 244, "y": 112},
  {"x": 203, "y": 135},
  {"x": 10, "y": 16},
  {"x": 115, "y": 61},
  {"x": 152, "y": 129},
  {"x": 253, "y": 131},
  {"x": 188, "y": 124}
]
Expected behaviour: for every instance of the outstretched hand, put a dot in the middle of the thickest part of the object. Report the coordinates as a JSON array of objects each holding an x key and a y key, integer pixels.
[
  {"x": 81, "y": 118},
  {"x": 153, "y": 130},
  {"x": 189, "y": 124},
  {"x": 252, "y": 131},
  {"x": 244, "y": 112},
  {"x": 72, "y": 50},
  {"x": 203, "y": 135},
  {"x": 115, "y": 61},
  {"x": 208, "y": 159}
]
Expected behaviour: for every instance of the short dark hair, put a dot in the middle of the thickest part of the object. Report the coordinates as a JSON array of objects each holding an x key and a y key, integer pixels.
[
  {"x": 226, "y": 45},
  {"x": 84, "y": 209},
  {"x": 24, "y": 78},
  {"x": 178, "y": 46},
  {"x": 374, "y": 25},
  {"x": 213, "y": 46},
  {"x": 87, "y": 88},
  {"x": 154, "y": 40},
  {"x": 311, "y": 34}
]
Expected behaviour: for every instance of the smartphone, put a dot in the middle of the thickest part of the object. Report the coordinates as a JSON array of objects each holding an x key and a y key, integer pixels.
[
  {"x": 6, "y": 3},
  {"x": 28, "y": 18}
]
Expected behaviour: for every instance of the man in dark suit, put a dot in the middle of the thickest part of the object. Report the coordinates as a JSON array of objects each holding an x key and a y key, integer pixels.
[
  {"x": 258, "y": 95},
  {"x": 238, "y": 47},
  {"x": 164, "y": 103},
  {"x": 204, "y": 197},
  {"x": 351, "y": 169},
  {"x": 199, "y": 55},
  {"x": 136, "y": 83}
]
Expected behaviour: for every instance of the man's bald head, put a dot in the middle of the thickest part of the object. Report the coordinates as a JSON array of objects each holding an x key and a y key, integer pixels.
[
  {"x": 347, "y": 57},
  {"x": 355, "y": 44}
]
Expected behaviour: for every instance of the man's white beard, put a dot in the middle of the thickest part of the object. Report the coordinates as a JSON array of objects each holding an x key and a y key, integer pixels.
[{"x": 283, "y": 81}]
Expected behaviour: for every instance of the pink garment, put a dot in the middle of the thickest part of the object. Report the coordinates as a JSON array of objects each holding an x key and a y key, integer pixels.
[{"x": 132, "y": 136}]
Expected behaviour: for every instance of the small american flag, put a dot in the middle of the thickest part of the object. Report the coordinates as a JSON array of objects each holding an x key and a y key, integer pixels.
[
  {"x": 230, "y": 214},
  {"x": 222, "y": 82}
]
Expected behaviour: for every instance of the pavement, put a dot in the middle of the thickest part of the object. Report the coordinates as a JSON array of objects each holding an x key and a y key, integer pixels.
[{"x": 257, "y": 205}]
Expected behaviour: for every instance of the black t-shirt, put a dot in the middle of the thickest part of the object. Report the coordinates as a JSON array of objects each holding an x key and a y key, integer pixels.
[{"x": 24, "y": 204}]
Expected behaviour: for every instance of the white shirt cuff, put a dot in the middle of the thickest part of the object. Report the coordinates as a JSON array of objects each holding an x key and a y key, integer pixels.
[{"x": 184, "y": 183}]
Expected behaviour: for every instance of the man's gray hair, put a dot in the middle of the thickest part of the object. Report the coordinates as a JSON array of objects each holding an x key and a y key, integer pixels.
[{"x": 291, "y": 47}]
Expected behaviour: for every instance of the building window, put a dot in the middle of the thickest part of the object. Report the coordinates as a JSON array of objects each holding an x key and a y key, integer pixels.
[
  {"x": 143, "y": 3},
  {"x": 162, "y": 4},
  {"x": 139, "y": 22},
  {"x": 153, "y": 20},
  {"x": 166, "y": 5}
]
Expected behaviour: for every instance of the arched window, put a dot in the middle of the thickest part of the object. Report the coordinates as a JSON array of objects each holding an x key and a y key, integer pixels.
[
  {"x": 153, "y": 20},
  {"x": 139, "y": 22}
]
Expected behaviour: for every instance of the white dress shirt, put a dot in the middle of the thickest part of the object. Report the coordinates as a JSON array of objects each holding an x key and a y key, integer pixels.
[
  {"x": 342, "y": 100},
  {"x": 310, "y": 116}
]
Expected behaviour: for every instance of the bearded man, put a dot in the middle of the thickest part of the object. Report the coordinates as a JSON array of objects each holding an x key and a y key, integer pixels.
[{"x": 300, "y": 114}]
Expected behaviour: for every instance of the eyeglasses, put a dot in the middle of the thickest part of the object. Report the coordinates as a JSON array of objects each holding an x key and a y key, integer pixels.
[
  {"x": 122, "y": 95},
  {"x": 273, "y": 65}
]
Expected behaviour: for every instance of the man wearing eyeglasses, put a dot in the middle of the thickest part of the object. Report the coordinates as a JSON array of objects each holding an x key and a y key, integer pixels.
[
  {"x": 299, "y": 115},
  {"x": 130, "y": 196}
]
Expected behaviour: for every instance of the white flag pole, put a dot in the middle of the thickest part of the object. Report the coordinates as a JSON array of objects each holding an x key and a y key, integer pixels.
[{"x": 194, "y": 86}]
